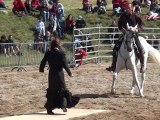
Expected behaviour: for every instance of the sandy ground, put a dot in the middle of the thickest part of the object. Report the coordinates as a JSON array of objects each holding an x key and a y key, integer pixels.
[{"x": 24, "y": 92}]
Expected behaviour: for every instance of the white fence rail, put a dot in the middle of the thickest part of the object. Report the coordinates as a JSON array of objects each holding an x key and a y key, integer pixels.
[{"x": 103, "y": 41}]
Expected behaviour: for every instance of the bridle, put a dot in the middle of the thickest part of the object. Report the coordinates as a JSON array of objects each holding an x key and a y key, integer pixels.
[{"x": 128, "y": 42}]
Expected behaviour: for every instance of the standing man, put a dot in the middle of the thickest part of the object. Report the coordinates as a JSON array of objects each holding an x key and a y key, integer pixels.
[{"x": 132, "y": 19}]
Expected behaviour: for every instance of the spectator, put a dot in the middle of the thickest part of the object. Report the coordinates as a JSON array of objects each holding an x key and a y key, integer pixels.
[
  {"x": 19, "y": 8},
  {"x": 89, "y": 45},
  {"x": 124, "y": 4},
  {"x": 53, "y": 10},
  {"x": 69, "y": 24},
  {"x": 80, "y": 22},
  {"x": 101, "y": 3},
  {"x": 38, "y": 43},
  {"x": 136, "y": 6},
  {"x": 3, "y": 44},
  {"x": 46, "y": 41},
  {"x": 154, "y": 5},
  {"x": 113, "y": 30},
  {"x": 60, "y": 10},
  {"x": 117, "y": 6},
  {"x": 152, "y": 15},
  {"x": 101, "y": 6},
  {"x": 12, "y": 49},
  {"x": 40, "y": 27},
  {"x": 80, "y": 54},
  {"x": 52, "y": 25},
  {"x": 44, "y": 11},
  {"x": 35, "y": 6},
  {"x": 28, "y": 6},
  {"x": 87, "y": 5},
  {"x": 2, "y": 4},
  {"x": 58, "y": 96},
  {"x": 61, "y": 27}
]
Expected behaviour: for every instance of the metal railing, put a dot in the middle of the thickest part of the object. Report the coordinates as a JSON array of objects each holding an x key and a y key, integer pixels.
[{"x": 18, "y": 55}]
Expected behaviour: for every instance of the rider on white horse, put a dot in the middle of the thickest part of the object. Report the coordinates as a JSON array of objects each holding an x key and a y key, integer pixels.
[{"x": 131, "y": 19}]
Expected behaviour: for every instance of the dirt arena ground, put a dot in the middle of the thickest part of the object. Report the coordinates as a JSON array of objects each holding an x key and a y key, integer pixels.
[{"x": 24, "y": 92}]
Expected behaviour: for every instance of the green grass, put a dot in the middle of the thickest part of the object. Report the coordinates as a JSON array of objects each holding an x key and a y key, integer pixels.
[{"x": 22, "y": 27}]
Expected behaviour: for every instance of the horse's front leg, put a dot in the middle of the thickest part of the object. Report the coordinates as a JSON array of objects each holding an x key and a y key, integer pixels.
[
  {"x": 133, "y": 87},
  {"x": 113, "y": 91},
  {"x": 143, "y": 75},
  {"x": 135, "y": 79}
]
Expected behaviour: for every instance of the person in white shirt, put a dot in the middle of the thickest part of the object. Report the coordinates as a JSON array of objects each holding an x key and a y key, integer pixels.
[{"x": 40, "y": 27}]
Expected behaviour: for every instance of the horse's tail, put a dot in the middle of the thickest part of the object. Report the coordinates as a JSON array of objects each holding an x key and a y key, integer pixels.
[{"x": 154, "y": 54}]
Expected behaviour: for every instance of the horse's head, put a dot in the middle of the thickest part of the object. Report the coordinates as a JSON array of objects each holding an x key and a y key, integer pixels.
[{"x": 129, "y": 39}]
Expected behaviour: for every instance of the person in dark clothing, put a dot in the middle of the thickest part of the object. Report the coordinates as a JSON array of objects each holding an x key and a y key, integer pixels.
[
  {"x": 58, "y": 96},
  {"x": 111, "y": 30},
  {"x": 80, "y": 23},
  {"x": 132, "y": 19}
]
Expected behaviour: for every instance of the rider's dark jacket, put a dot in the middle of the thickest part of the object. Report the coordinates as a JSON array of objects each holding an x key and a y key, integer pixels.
[{"x": 131, "y": 19}]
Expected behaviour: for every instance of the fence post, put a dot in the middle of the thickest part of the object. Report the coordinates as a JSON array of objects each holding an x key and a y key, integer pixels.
[{"x": 99, "y": 42}]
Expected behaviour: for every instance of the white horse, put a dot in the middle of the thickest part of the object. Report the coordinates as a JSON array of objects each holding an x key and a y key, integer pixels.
[{"x": 127, "y": 59}]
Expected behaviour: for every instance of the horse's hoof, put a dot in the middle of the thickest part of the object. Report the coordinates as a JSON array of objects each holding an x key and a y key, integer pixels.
[
  {"x": 142, "y": 96},
  {"x": 113, "y": 92}
]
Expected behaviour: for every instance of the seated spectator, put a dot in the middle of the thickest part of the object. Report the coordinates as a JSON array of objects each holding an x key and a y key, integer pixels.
[
  {"x": 2, "y": 4},
  {"x": 53, "y": 9},
  {"x": 154, "y": 5},
  {"x": 136, "y": 6},
  {"x": 87, "y": 5},
  {"x": 19, "y": 8},
  {"x": 80, "y": 22},
  {"x": 79, "y": 35},
  {"x": 40, "y": 27},
  {"x": 12, "y": 49},
  {"x": 80, "y": 54},
  {"x": 101, "y": 6},
  {"x": 28, "y": 6},
  {"x": 46, "y": 41},
  {"x": 69, "y": 24},
  {"x": 89, "y": 45},
  {"x": 101, "y": 3},
  {"x": 44, "y": 10},
  {"x": 152, "y": 15},
  {"x": 116, "y": 3},
  {"x": 38, "y": 43},
  {"x": 117, "y": 6},
  {"x": 124, "y": 4},
  {"x": 35, "y": 4},
  {"x": 3, "y": 45},
  {"x": 61, "y": 27},
  {"x": 52, "y": 27},
  {"x": 60, "y": 10},
  {"x": 113, "y": 30}
]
